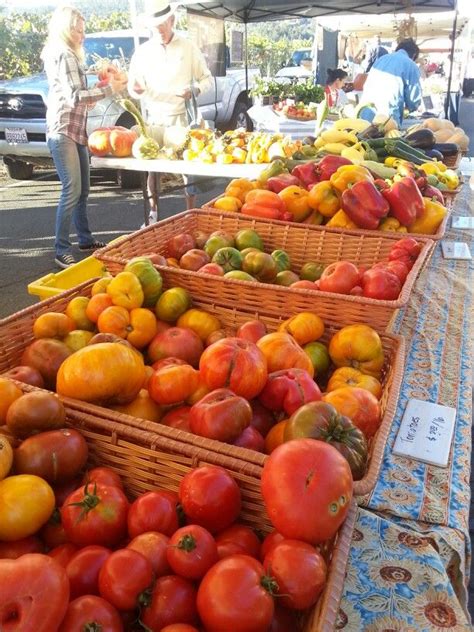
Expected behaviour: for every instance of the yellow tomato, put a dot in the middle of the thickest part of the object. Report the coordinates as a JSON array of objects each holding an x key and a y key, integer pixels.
[
  {"x": 8, "y": 393},
  {"x": 358, "y": 346},
  {"x": 26, "y": 503},
  {"x": 126, "y": 291},
  {"x": 201, "y": 322},
  {"x": 6, "y": 457},
  {"x": 304, "y": 327}
]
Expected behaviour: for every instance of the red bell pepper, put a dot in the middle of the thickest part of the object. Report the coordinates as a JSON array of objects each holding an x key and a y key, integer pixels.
[
  {"x": 406, "y": 201},
  {"x": 406, "y": 250},
  {"x": 364, "y": 205},
  {"x": 306, "y": 174},
  {"x": 381, "y": 184},
  {"x": 329, "y": 165},
  {"x": 278, "y": 183}
]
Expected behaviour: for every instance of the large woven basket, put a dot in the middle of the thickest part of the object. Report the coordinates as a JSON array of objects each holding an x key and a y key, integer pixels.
[
  {"x": 299, "y": 241},
  {"x": 361, "y": 231},
  {"x": 16, "y": 332},
  {"x": 146, "y": 461}
]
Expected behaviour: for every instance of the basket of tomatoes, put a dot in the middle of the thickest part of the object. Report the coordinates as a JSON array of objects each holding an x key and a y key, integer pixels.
[{"x": 121, "y": 528}]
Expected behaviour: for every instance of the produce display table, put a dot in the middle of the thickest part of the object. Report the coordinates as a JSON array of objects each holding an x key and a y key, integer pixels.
[
  {"x": 409, "y": 562},
  {"x": 266, "y": 119}
]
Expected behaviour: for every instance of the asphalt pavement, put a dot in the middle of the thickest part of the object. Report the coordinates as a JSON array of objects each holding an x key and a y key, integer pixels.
[{"x": 27, "y": 215}]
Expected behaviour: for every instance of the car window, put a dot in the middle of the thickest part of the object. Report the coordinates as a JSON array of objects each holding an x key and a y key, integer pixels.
[{"x": 111, "y": 48}]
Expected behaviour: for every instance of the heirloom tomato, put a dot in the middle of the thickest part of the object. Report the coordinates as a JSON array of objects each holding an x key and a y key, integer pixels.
[
  {"x": 210, "y": 497},
  {"x": 34, "y": 594},
  {"x": 251, "y": 439},
  {"x": 360, "y": 347},
  {"x": 381, "y": 283},
  {"x": 304, "y": 327},
  {"x": 235, "y": 595},
  {"x": 347, "y": 376},
  {"x": 220, "y": 415},
  {"x": 311, "y": 499},
  {"x": 236, "y": 364},
  {"x": 95, "y": 514},
  {"x": 9, "y": 392},
  {"x": 289, "y": 389},
  {"x": 362, "y": 408},
  {"x": 26, "y": 503},
  {"x": 339, "y": 277},
  {"x": 283, "y": 352}
]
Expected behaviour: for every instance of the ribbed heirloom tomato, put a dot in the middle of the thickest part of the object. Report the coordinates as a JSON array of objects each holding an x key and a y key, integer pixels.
[{"x": 220, "y": 415}]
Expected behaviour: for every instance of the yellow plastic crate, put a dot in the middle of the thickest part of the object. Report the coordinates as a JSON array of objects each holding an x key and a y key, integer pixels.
[{"x": 54, "y": 283}]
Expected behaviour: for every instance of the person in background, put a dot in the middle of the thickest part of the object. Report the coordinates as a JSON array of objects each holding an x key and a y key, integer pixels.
[
  {"x": 468, "y": 82},
  {"x": 374, "y": 51},
  {"x": 66, "y": 117},
  {"x": 164, "y": 73},
  {"x": 335, "y": 95},
  {"x": 393, "y": 83}
]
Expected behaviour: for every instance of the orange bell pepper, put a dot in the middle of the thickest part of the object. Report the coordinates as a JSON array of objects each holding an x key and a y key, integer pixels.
[
  {"x": 263, "y": 203},
  {"x": 239, "y": 188},
  {"x": 323, "y": 198},
  {"x": 348, "y": 175},
  {"x": 296, "y": 201}
]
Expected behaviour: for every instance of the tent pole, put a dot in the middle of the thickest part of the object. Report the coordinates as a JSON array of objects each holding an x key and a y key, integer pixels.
[
  {"x": 246, "y": 62},
  {"x": 450, "y": 78}
]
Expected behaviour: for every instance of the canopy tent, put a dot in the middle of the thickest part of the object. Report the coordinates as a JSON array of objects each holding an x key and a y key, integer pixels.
[{"x": 264, "y": 10}]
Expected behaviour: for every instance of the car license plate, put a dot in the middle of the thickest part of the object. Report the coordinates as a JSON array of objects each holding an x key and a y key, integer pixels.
[{"x": 15, "y": 135}]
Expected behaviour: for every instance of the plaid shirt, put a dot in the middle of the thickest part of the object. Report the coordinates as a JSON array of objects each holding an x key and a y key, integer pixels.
[{"x": 69, "y": 97}]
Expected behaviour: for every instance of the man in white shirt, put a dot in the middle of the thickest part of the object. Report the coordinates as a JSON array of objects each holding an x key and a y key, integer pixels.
[{"x": 164, "y": 72}]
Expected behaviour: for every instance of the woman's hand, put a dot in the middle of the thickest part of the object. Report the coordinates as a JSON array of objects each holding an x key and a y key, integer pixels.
[{"x": 118, "y": 82}]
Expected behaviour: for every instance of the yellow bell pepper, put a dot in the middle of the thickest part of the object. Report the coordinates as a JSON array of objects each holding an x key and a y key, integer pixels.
[
  {"x": 433, "y": 168},
  {"x": 347, "y": 175},
  {"x": 323, "y": 198},
  {"x": 392, "y": 224},
  {"x": 228, "y": 203},
  {"x": 449, "y": 178},
  {"x": 296, "y": 201},
  {"x": 432, "y": 216},
  {"x": 239, "y": 188},
  {"x": 341, "y": 220},
  {"x": 391, "y": 161}
]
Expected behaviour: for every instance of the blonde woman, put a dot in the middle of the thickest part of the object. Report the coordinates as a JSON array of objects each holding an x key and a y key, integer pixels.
[{"x": 68, "y": 101}]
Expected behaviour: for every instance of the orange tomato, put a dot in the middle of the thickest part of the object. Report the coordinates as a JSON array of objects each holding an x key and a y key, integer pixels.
[
  {"x": 275, "y": 436},
  {"x": 53, "y": 325},
  {"x": 283, "y": 352},
  {"x": 360, "y": 405},
  {"x": 114, "y": 320},
  {"x": 347, "y": 376},
  {"x": 304, "y": 327},
  {"x": 173, "y": 383},
  {"x": 9, "y": 392},
  {"x": 142, "y": 327},
  {"x": 142, "y": 407},
  {"x": 358, "y": 346},
  {"x": 96, "y": 306}
]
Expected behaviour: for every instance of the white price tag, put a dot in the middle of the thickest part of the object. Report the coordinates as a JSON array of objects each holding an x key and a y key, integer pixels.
[
  {"x": 463, "y": 222},
  {"x": 426, "y": 432},
  {"x": 455, "y": 250}
]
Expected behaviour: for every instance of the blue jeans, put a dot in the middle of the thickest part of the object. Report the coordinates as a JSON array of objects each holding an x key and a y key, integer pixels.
[{"x": 72, "y": 164}]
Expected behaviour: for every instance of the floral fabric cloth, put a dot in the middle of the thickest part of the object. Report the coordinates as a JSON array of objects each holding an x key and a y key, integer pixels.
[{"x": 409, "y": 562}]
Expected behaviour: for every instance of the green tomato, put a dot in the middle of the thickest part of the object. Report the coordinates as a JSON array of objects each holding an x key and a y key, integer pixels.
[{"x": 319, "y": 356}]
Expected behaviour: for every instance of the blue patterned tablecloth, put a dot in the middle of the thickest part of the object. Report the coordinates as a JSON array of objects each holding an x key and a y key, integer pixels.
[{"x": 410, "y": 556}]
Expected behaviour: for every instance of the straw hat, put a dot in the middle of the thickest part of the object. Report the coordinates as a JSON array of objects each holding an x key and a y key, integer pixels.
[{"x": 156, "y": 12}]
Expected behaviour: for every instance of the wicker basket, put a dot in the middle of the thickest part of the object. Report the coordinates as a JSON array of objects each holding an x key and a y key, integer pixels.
[
  {"x": 358, "y": 231},
  {"x": 299, "y": 241},
  {"x": 146, "y": 461},
  {"x": 16, "y": 332}
]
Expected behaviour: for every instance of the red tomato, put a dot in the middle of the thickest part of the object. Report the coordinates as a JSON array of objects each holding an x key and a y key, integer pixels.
[
  {"x": 236, "y": 364},
  {"x": 95, "y": 514},
  {"x": 251, "y": 439},
  {"x": 312, "y": 503},
  {"x": 90, "y": 612},
  {"x": 271, "y": 540},
  {"x": 231, "y": 596},
  {"x": 63, "y": 490},
  {"x": 177, "y": 418},
  {"x": 173, "y": 600},
  {"x": 381, "y": 283},
  {"x": 220, "y": 415},
  {"x": 124, "y": 576},
  {"x": 339, "y": 277},
  {"x": 83, "y": 570},
  {"x": 192, "y": 551},
  {"x": 407, "y": 250},
  {"x": 398, "y": 267},
  {"x": 300, "y": 572},
  {"x": 238, "y": 538},
  {"x": 284, "y": 621},
  {"x": 34, "y": 594},
  {"x": 52, "y": 533},
  {"x": 252, "y": 330},
  {"x": 262, "y": 418},
  {"x": 210, "y": 497},
  {"x": 153, "y": 511},
  {"x": 104, "y": 476},
  {"x": 289, "y": 389},
  {"x": 63, "y": 553},
  {"x": 179, "y": 627},
  {"x": 153, "y": 546},
  {"x": 14, "y": 550}
]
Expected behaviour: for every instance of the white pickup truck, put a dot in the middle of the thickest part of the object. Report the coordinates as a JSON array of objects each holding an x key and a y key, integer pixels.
[{"x": 23, "y": 108}]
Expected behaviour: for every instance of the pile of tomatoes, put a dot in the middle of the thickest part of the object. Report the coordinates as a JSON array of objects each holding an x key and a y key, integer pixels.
[{"x": 77, "y": 555}]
